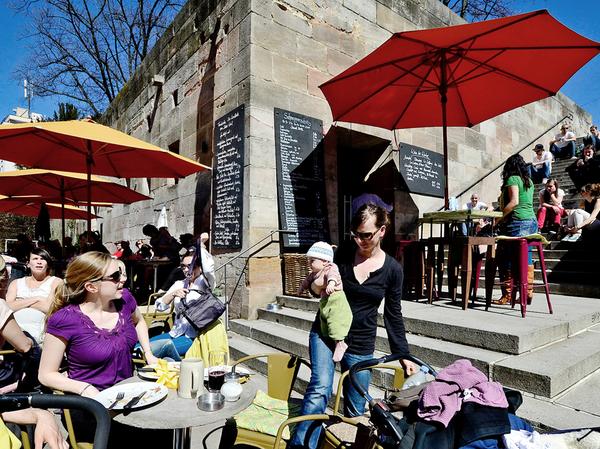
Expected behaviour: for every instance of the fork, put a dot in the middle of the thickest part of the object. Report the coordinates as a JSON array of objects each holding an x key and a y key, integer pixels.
[{"x": 120, "y": 395}]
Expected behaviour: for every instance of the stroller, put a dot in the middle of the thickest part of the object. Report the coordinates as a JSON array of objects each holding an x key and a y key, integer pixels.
[
  {"x": 10, "y": 402},
  {"x": 387, "y": 430}
]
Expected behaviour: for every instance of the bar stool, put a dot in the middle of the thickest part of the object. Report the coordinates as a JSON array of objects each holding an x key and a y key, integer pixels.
[
  {"x": 411, "y": 255},
  {"x": 519, "y": 250}
]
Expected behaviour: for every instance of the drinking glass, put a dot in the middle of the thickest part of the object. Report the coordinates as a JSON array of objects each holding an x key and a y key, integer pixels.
[{"x": 217, "y": 367}]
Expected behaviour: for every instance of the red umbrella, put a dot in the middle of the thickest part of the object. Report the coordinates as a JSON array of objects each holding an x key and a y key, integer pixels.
[
  {"x": 32, "y": 209},
  {"x": 459, "y": 75},
  {"x": 65, "y": 187},
  {"x": 86, "y": 146}
]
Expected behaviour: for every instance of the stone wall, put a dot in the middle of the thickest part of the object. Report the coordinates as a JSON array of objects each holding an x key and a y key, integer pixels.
[{"x": 265, "y": 54}]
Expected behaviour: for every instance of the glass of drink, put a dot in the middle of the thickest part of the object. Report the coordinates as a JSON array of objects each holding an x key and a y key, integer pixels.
[{"x": 217, "y": 367}]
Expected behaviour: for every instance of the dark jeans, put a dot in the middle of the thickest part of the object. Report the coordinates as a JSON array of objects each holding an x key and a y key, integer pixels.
[
  {"x": 566, "y": 152},
  {"x": 538, "y": 174}
]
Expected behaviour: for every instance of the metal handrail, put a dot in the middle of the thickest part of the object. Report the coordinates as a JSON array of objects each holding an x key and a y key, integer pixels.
[
  {"x": 239, "y": 256},
  {"x": 568, "y": 116}
]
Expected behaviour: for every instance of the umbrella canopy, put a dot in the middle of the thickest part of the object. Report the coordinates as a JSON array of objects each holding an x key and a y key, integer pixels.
[
  {"x": 71, "y": 187},
  {"x": 459, "y": 75},
  {"x": 28, "y": 208},
  {"x": 79, "y": 144},
  {"x": 86, "y": 146}
]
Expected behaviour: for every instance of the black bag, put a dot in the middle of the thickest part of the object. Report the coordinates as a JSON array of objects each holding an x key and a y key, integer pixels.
[{"x": 204, "y": 311}]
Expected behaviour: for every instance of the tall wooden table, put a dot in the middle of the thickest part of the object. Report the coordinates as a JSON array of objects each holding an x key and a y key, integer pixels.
[{"x": 435, "y": 259}]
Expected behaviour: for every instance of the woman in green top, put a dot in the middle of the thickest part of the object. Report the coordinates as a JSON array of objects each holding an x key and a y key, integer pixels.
[{"x": 518, "y": 218}]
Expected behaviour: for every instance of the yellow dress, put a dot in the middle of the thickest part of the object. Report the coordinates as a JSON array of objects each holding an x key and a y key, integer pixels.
[
  {"x": 214, "y": 338},
  {"x": 7, "y": 439}
]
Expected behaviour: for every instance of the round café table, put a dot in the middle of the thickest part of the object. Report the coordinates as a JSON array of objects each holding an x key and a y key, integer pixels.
[{"x": 180, "y": 415}]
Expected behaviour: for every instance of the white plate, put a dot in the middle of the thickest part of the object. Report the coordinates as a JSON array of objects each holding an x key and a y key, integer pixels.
[{"x": 153, "y": 393}]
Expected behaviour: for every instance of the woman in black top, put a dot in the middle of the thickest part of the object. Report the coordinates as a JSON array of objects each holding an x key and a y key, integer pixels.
[{"x": 369, "y": 276}]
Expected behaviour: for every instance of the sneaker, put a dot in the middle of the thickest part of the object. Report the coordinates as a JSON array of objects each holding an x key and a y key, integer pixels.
[
  {"x": 544, "y": 181},
  {"x": 575, "y": 237},
  {"x": 574, "y": 157}
]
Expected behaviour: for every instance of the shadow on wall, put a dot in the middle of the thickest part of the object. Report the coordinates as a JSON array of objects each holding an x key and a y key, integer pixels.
[
  {"x": 204, "y": 132},
  {"x": 357, "y": 154}
]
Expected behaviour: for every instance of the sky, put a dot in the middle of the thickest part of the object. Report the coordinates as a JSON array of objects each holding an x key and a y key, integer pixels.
[{"x": 579, "y": 15}]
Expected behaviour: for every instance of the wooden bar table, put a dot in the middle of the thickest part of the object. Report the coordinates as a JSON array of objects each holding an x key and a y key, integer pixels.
[{"x": 465, "y": 243}]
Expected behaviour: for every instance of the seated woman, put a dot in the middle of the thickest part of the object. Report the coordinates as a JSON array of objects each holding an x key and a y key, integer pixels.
[
  {"x": 585, "y": 219},
  {"x": 176, "y": 343},
  {"x": 550, "y": 210},
  {"x": 31, "y": 296},
  {"x": 96, "y": 326},
  {"x": 11, "y": 333}
]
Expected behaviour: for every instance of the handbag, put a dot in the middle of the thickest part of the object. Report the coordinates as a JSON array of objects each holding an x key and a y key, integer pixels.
[
  {"x": 207, "y": 308},
  {"x": 204, "y": 311}
]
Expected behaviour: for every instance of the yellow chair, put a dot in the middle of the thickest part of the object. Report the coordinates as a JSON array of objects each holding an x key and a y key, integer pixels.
[
  {"x": 332, "y": 439},
  {"x": 151, "y": 316},
  {"x": 282, "y": 370}
]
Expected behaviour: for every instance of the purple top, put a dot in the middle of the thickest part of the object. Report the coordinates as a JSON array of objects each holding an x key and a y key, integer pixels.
[{"x": 101, "y": 357}]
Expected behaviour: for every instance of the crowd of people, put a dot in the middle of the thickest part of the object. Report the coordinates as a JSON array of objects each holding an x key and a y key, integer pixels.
[{"x": 76, "y": 331}]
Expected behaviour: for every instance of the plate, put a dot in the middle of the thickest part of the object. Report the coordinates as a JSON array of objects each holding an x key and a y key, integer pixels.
[
  {"x": 153, "y": 393},
  {"x": 153, "y": 375}
]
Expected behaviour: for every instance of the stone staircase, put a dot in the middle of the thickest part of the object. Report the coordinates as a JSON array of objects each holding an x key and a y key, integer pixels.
[{"x": 547, "y": 357}]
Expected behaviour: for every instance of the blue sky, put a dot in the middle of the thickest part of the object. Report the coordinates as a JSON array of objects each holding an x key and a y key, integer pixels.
[{"x": 580, "y": 15}]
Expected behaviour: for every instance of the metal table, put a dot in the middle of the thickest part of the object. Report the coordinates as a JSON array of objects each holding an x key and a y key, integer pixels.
[{"x": 180, "y": 415}]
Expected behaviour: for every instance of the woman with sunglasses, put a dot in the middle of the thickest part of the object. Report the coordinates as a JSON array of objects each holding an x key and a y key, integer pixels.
[
  {"x": 94, "y": 325},
  {"x": 369, "y": 276},
  {"x": 174, "y": 344}
]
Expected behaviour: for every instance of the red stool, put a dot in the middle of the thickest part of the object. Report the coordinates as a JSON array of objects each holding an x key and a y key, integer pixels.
[
  {"x": 520, "y": 273},
  {"x": 519, "y": 249}
]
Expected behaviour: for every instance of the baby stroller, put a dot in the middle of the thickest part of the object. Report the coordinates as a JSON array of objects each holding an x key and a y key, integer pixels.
[
  {"x": 388, "y": 430},
  {"x": 10, "y": 402}
]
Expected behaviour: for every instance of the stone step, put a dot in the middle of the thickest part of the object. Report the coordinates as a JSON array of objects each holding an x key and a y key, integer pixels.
[
  {"x": 433, "y": 351},
  {"x": 536, "y": 372},
  {"x": 266, "y": 340},
  {"x": 550, "y": 370},
  {"x": 472, "y": 327}
]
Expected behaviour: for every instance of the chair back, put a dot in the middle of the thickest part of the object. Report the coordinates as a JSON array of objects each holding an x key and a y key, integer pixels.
[{"x": 282, "y": 370}]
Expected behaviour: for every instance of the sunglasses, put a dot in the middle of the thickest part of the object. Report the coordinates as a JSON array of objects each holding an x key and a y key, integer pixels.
[
  {"x": 113, "y": 277},
  {"x": 363, "y": 235}
]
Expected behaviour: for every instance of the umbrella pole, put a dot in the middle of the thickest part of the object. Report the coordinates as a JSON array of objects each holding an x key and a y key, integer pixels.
[
  {"x": 89, "y": 162},
  {"x": 444, "y": 100},
  {"x": 62, "y": 213}
]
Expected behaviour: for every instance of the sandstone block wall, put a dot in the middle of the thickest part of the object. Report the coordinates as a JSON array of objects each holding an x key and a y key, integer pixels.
[{"x": 274, "y": 53}]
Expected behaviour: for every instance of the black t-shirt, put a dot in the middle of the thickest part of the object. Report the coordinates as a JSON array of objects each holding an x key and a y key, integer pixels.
[{"x": 364, "y": 299}]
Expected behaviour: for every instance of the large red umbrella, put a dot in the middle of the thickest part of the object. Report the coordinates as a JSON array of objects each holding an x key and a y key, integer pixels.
[
  {"x": 86, "y": 146},
  {"x": 65, "y": 187},
  {"x": 459, "y": 75},
  {"x": 30, "y": 208}
]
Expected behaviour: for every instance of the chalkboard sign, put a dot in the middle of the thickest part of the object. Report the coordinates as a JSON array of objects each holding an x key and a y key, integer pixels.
[
  {"x": 228, "y": 181},
  {"x": 422, "y": 170},
  {"x": 300, "y": 178}
]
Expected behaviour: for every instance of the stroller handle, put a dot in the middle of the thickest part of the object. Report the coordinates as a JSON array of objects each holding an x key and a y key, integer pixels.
[
  {"x": 9, "y": 402},
  {"x": 365, "y": 364}
]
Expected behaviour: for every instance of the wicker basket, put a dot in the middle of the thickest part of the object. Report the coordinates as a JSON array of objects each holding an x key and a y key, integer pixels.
[{"x": 295, "y": 269}]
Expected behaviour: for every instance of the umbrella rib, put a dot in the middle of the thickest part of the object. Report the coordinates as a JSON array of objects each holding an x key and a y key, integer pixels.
[
  {"x": 364, "y": 99},
  {"x": 414, "y": 93}
]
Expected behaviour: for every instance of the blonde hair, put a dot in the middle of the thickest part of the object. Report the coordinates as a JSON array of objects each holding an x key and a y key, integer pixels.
[{"x": 85, "y": 268}]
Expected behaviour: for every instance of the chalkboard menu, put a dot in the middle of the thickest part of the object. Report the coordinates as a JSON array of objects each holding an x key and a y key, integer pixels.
[
  {"x": 228, "y": 181},
  {"x": 300, "y": 178},
  {"x": 423, "y": 170}
]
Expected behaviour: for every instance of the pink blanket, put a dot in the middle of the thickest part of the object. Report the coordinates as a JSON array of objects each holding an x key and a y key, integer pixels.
[{"x": 457, "y": 383}]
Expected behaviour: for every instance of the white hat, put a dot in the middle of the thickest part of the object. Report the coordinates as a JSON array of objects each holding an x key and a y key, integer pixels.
[{"x": 321, "y": 250}]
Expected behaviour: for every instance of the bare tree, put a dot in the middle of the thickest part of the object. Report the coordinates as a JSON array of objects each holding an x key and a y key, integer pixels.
[
  {"x": 86, "y": 50},
  {"x": 477, "y": 10}
]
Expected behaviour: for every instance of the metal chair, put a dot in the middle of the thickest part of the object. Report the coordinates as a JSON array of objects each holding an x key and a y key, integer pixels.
[{"x": 282, "y": 370}]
